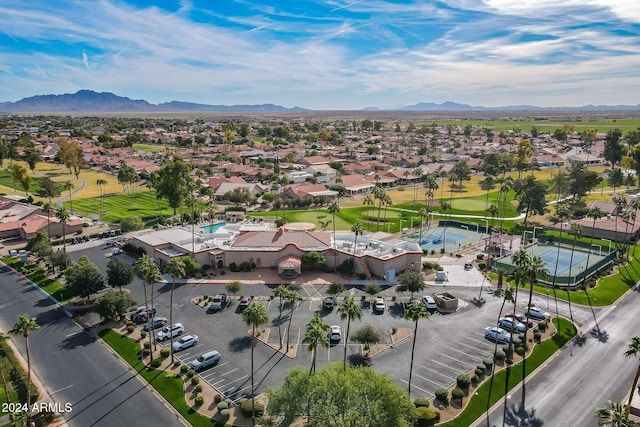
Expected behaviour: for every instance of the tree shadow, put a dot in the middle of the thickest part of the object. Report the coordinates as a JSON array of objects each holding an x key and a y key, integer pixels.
[
  {"x": 478, "y": 302},
  {"x": 357, "y": 360},
  {"x": 396, "y": 310},
  {"x": 240, "y": 345},
  {"x": 74, "y": 341},
  {"x": 519, "y": 416},
  {"x": 580, "y": 340},
  {"x": 600, "y": 334}
]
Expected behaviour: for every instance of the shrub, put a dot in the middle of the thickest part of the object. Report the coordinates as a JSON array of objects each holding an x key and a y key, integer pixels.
[
  {"x": 457, "y": 394},
  {"x": 427, "y": 265},
  {"x": 233, "y": 267},
  {"x": 198, "y": 388},
  {"x": 224, "y": 415},
  {"x": 488, "y": 363},
  {"x": 426, "y": 417},
  {"x": 129, "y": 323},
  {"x": 217, "y": 398},
  {"x": 480, "y": 257},
  {"x": 542, "y": 326},
  {"x": 481, "y": 367},
  {"x": 478, "y": 372},
  {"x": 191, "y": 373},
  {"x": 508, "y": 361},
  {"x": 195, "y": 380},
  {"x": 199, "y": 401},
  {"x": 130, "y": 328},
  {"x": 421, "y": 402},
  {"x": 537, "y": 335},
  {"x": 508, "y": 352},
  {"x": 147, "y": 345},
  {"x": 474, "y": 380},
  {"x": 176, "y": 363},
  {"x": 441, "y": 250},
  {"x": 143, "y": 334},
  {"x": 463, "y": 381},
  {"x": 131, "y": 223},
  {"x": 245, "y": 408},
  {"x": 458, "y": 255},
  {"x": 165, "y": 352},
  {"x": 146, "y": 351},
  {"x": 433, "y": 251},
  {"x": 499, "y": 355},
  {"x": 443, "y": 396},
  {"x": 222, "y": 405},
  {"x": 184, "y": 368},
  {"x": 155, "y": 363},
  {"x": 520, "y": 350},
  {"x": 482, "y": 266}
]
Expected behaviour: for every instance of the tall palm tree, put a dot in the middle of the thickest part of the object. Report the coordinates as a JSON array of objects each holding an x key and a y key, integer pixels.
[
  {"x": 334, "y": 208},
  {"x": 357, "y": 230},
  {"x": 24, "y": 326},
  {"x": 576, "y": 230},
  {"x": 101, "y": 183},
  {"x": 349, "y": 309},
  {"x": 254, "y": 316},
  {"x": 621, "y": 203},
  {"x": 68, "y": 185},
  {"x": 507, "y": 185},
  {"x": 379, "y": 195},
  {"x": 414, "y": 312},
  {"x": 150, "y": 274},
  {"x": 493, "y": 210},
  {"x": 445, "y": 205},
  {"x": 176, "y": 268},
  {"x": 595, "y": 213},
  {"x": 431, "y": 185},
  {"x": 48, "y": 208},
  {"x": 633, "y": 350},
  {"x": 316, "y": 334},
  {"x": 63, "y": 217},
  {"x": 281, "y": 293},
  {"x": 417, "y": 173},
  {"x": 562, "y": 214},
  {"x": 614, "y": 416},
  {"x": 293, "y": 299},
  {"x": 635, "y": 205}
]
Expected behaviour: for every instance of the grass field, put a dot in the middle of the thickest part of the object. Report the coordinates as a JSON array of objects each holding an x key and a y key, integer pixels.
[
  {"x": 7, "y": 361},
  {"x": 166, "y": 384},
  {"x": 151, "y": 148},
  {"x": 478, "y": 402},
  {"x": 545, "y": 125},
  {"x": 144, "y": 205}
]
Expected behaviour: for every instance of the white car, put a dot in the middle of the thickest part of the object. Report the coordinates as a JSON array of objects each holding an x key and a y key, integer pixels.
[
  {"x": 379, "y": 305},
  {"x": 205, "y": 360},
  {"x": 167, "y": 332},
  {"x": 537, "y": 313},
  {"x": 335, "y": 334},
  {"x": 185, "y": 342},
  {"x": 494, "y": 333},
  {"x": 429, "y": 302}
]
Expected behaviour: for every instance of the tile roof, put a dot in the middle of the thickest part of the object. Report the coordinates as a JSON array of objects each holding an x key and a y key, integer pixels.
[{"x": 276, "y": 239}]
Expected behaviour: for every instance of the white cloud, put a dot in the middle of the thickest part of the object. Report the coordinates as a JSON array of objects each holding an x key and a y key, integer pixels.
[{"x": 85, "y": 61}]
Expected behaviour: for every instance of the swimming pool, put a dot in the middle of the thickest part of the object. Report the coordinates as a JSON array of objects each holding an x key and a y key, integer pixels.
[{"x": 212, "y": 228}]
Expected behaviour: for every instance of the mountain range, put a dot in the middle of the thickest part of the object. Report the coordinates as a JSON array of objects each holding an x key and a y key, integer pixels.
[{"x": 87, "y": 101}]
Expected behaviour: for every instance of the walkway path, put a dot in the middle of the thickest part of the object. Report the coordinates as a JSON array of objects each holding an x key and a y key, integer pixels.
[{"x": 63, "y": 198}]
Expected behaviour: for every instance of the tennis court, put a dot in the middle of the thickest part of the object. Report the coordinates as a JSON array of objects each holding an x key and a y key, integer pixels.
[
  {"x": 451, "y": 238},
  {"x": 571, "y": 262}
]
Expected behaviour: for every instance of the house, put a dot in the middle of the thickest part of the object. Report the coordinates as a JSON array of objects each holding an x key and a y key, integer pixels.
[
  {"x": 255, "y": 189},
  {"x": 297, "y": 191},
  {"x": 356, "y": 184},
  {"x": 324, "y": 173}
]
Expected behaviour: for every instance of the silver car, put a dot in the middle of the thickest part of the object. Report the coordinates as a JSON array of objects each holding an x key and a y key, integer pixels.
[
  {"x": 167, "y": 332},
  {"x": 494, "y": 333},
  {"x": 205, "y": 360},
  {"x": 185, "y": 342}
]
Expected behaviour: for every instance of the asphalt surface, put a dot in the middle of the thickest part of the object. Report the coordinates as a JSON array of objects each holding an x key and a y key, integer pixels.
[{"x": 74, "y": 367}]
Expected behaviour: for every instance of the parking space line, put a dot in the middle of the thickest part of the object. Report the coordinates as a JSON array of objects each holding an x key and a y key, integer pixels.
[
  {"x": 458, "y": 360},
  {"x": 238, "y": 379},
  {"x": 233, "y": 370},
  {"x": 480, "y": 350},
  {"x": 438, "y": 373},
  {"x": 218, "y": 382},
  {"x": 421, "y": 389},
  {"x": 445, "y": 365},
  {"x": 463, "y": 353},
  {"x": 427, "y": 379}
]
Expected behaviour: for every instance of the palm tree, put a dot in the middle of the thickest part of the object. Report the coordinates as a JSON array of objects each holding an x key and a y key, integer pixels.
[
  {"x": 445, "y": 205},
  {"x": 414, "y": 312},
  {"x": 507, "y": 185},
  {"x": 68, "y": 185},
  {"x": 635, "y": 205},
  {"x": 417, "y": 173},
  {"x": 63, "y": 217},
  {"x": 281, "y": 293},
  {"x": 349, "y": 309},
  {"x": 254, "y": 316},
  {"x": 334, "y": 208},
  {"x": 357, "y": 230},
  {"x": 614, "y": 417},
  {"x": 507, "y": 296},
  {"x": 632, "y": 351},
  {"x": 431, "y": 184},
  {"x": 24, "y": 326},
  {"x": 48, "y": 208},
  {"x": 293, "y": 299},
  {"x": 621, "y": 203},
  {"x": 316, "y": 334},
  {"x": 379, "y": 195},
  {"x": 493, "y": 211},
  {"x": 101, "y": 183},
  {"x": 150, "y": 273},
  {"x": 177, "y": 270},
  {"x": 562, "y": 214},
  {"x": 368, "y": 201},
  {"x": 423, "y": 214},
  {"x": 595, "y": 213}
]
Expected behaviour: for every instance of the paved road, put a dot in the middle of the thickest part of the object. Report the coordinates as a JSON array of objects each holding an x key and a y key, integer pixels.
[
  {"x": 77, "y": 369},
  {"x": 571, "y": 386}
]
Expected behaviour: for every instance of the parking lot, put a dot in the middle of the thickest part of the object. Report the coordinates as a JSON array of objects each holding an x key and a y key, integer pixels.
[{"x": 447, "y": 345}]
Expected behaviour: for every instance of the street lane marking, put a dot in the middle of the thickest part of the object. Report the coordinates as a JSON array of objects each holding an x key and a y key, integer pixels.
[{"x": 61, "y": 389}]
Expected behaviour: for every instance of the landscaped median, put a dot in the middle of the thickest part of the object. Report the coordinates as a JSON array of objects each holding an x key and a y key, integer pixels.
[
  {"x": 477, "y": 404},
  {"x": 173, "y": 383},
  {"x": 38, "y": 276}
]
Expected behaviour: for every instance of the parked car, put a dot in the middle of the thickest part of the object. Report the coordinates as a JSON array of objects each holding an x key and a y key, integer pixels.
[
  {"x": 509, "y": 323},
  {"x": 328, "y": 303},
  {"x": 167, "y": 332},
  {"x": 429, "y": 302},
  {"x": 537, "y": 313},
  {"x": 335, "y": 335},
  {"x": 379, "y": 305},
  {"x": 494, "y": 333},
  {"x": 205, "y": 360},
  {"x": 520, "y": 318},
  {"x": 185, "y": 342},
  {"x": 468, "y": 266},
  {"x": 244, "y": 302},
  {"x": 218, "y": 302},
  {"x": 157, "y": 322},
  {"x": 141, "y": 314}
]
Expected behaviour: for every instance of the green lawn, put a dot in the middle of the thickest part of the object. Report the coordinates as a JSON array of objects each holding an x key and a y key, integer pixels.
[
  {"x": 7, "y": 366},
  {"x": 144, "y": 205},
  {"x": 545, "y": 125},
  {"x": 7, "y": 181},
  {"x": 170, "y": 387},
  {"x": 478, "y": 404},
  {"x": 37, "y": 275}
]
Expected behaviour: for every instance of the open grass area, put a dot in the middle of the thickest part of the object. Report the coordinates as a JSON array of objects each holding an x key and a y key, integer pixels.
[
  {"x": 37, "y": 275},
  {"x": 144, "y": 205},
  {"x": 478, "y": 402},
  {"x": 545, "y": 125},
  {"x": 150, "y": 148},
  {"x": 7, "y": 361},
  {"x": 169, "y": 387}
]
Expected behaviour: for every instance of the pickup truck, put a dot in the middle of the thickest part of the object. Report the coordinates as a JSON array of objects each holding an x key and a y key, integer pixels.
[{"x": 218, "y": 302}]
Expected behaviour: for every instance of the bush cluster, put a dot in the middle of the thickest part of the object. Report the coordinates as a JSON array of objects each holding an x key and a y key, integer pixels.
[
  {"x": 426, "y": 417},
  {"x": 195, "y": 380},
  {"x": 155, "y": 363},
  {"x": 184, "y": 368},
  {"x": 443, "y": 396},
  {"x": 199, "y": 401},
  {"x": 463, "y": 381},
  {"x": 245, "y": 408},
  {"x": 500, "y": 355},
  {"x": 421, "y": 402},
  {"x": 457, "y": 394},
  {"x": 165, "y": 352}
]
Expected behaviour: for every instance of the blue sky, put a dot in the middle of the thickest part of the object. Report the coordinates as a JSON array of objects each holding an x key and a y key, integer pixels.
[{"x": 325, "y": 54}]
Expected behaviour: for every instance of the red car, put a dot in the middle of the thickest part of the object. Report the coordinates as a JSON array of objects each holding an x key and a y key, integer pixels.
[
  {"x": 244, "y": 302},
  {"x": 520, "y": 318}
]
